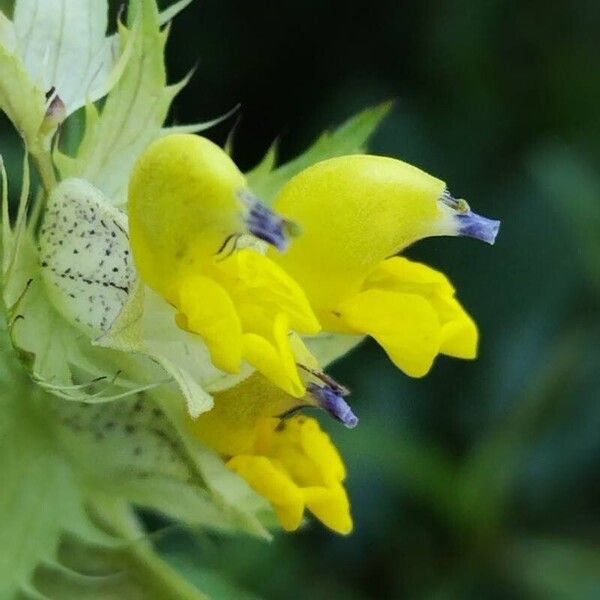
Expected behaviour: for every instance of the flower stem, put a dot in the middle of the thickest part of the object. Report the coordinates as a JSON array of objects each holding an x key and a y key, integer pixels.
[
  {"x": 45, "y": 168},
  {"x": 160, "y": 577},
  {"x": 117, "y": 519}
]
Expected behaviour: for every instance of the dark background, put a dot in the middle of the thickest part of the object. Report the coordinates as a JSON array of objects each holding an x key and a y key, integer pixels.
[{"x": 480, "y": 481}]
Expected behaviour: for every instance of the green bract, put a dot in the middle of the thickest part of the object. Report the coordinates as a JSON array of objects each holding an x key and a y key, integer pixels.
[{"x": 96, "y": 385}]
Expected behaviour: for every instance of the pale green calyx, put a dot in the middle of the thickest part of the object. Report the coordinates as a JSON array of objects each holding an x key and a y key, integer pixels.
[
  {"x": 85, "y": 258},
  {"x": 88, "y": 273}
]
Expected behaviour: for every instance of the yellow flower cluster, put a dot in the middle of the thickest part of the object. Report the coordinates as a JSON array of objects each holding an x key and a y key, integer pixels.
[
  {"x": 291, "y": 462},
  {"x": 198, "y": 238},
  {"x": 356, "y": 212},
  {"x": 294, "y": 465},
  {"x": 185, "y": 202}
]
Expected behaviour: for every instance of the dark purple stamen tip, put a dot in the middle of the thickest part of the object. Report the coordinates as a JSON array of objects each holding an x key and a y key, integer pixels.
[
  {"x": 264, "y": 223},
  {"x": 333, "y": 402},
  {"x": 473, "y": 225}
]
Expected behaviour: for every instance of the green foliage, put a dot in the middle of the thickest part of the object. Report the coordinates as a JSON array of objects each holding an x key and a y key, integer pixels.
[
  {"x": 21, "y": 100},
  {"x": 64, "y": 539},
  {"x": 134, "y": 112},
  {"x": 115, "y": 136}
]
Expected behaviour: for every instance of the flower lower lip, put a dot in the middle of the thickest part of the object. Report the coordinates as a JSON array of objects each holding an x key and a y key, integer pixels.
[{"x": 475, "y": 226}]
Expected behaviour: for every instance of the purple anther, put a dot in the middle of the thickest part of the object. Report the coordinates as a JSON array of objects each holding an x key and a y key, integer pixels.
[
  {"x": 473, "y": 225},
  {"x": 334, "y": 403},
  {"x": 266, "y": 224}
]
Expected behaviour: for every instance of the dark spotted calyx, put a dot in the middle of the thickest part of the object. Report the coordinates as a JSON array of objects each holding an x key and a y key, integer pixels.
[
  {"x": 130, "y": 438},
  {"x": 84, "y": 255}
]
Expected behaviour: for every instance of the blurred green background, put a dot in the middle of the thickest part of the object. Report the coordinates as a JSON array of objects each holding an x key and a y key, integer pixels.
[{"x": 480, "y": 481}]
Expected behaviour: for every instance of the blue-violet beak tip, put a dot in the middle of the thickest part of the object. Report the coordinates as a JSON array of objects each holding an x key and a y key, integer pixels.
[{"x": 480, "y": 228}]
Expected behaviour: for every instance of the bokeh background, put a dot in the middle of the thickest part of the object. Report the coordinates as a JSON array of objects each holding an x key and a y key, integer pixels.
[{"x": 481, "y": 480}]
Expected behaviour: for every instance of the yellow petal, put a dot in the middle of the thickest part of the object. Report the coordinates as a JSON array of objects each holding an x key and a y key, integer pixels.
[
  {"x": 290, "y": 462},
  {"x": 355, "y": 211},
  {"x": 274, "y": 484},
  {"x": 406, "y": 325},
  {"x": 261, "y": 288},
  {"x": 274, "y": 357},
  {"x": 239, "y": 422},
  {"x": 331, "y": 506},
  {"x": 459, "y": 334},
  {"x": 399, "y": 274},
  {"x": 319, "y": 448},
  {"x": 284, "y": 445},
  {"x": 183, "y": 204},
  {"x": 306, "y": 452},
  {"x": 205, "y": 308}
]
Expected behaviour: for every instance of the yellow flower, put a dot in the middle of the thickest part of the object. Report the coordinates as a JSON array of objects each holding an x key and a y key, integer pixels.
[
  {"x": 355, "y": 213},
  {"x": 187, "y": 200},
  {"x": 291, "y": 462}
]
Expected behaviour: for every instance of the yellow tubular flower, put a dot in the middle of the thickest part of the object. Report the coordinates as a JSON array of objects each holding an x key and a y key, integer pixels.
[
  {"x": 291, "y": 462},
  {"x": 187, "y": 200},
  {"x": 355, "y": 213}
]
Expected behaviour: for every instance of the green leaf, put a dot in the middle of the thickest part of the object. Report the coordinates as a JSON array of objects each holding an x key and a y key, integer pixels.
[
  {"x": 71, "y": 534},
  {"x": 140, "y": 450},
  {"x": 21, "y": 99},
  {"x": 350, "y": 138},
  {"x": 134, "y": 112},
  {"x": 64, "y": 46},
  {"x": 62, "y": 538}
]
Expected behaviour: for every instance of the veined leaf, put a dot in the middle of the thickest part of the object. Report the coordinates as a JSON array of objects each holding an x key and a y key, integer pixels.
[
  {"x": 20, "y": 98},
  {"x": 70, "y": 471},
  {"x": 53, "y": 545},
  {"x": 134, "y": 112},
  {"x": 64, "y": 46}
]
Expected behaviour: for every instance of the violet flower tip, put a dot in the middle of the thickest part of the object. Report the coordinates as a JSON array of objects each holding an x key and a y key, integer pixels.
[{"x": 475, "y": 226}]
